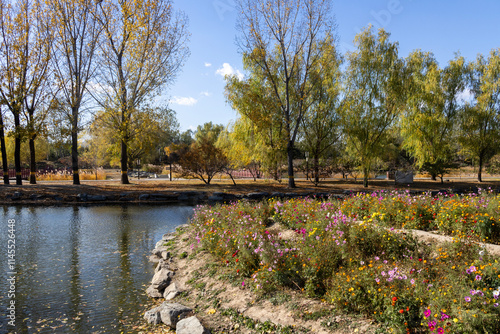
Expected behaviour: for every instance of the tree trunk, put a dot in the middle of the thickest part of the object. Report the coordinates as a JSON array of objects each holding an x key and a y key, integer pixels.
[
  {"x": 32, "y": 160},
  {"x": 74, "y": 147},
  {"x": 231, "y": 176},
  {"x": 433, "y": 177},
  {"x": 480, "y": 172},
  {"x": 124, "y": 163},
  {"x": 17, "y": 148},
  {"x": 316, "y": 170},
  {"x": 365, "y": 177},
  {"x": 291, "y": 179},
  {"x": 5, "y": 165}
]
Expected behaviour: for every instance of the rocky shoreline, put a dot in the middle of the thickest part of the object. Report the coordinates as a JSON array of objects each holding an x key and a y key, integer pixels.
[
  {"x": 182, "y": 197},
  {"x": 163, "y": 285}
]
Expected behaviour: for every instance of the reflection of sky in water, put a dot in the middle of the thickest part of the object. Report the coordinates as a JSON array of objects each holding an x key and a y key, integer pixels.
[{"x": 82, "y": 269}]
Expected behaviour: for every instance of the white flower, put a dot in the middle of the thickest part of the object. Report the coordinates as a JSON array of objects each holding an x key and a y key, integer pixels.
[{"x": 481, "y": 253}]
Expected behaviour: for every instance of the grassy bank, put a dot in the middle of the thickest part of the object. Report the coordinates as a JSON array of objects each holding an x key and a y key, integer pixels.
[{"x": 352, "y": 256}]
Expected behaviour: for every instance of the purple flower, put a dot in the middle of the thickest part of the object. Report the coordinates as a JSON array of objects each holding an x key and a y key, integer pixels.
[
  {"x": 467, "y": 299},
  {"x": 444, "y": 316},
  {"x": 478, "y": 277}
]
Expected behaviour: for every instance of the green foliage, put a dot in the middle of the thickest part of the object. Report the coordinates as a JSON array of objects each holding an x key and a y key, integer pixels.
[
  {"x": 428, "y": 125},
  {"x": 321, "y": 122},
  {"x": 374, "y": 96},
  {"x": 480, "y": 135},
  {"x": 281, "y": 47}
]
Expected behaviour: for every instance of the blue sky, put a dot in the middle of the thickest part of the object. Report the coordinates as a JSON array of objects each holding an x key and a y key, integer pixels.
[{"x": 442, "y": 27}]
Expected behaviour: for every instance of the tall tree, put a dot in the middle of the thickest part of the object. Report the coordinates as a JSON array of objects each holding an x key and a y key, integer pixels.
[
  {"x": 74, "y": 48},
  {"x": 321, "y": 122},
  {"x": 150, "y": 129},
  {"x": 142, "y": 49},
  {"x": 374, "y": 95},
  {"x": 23, "y": 66},
  {"x": 277, "y": 42},
  {"x": 480, "y": 119},
  {"x": 5, "y": 165},
  {"x": 428, "y": 125},
  {"x": 258, "y": 125}
]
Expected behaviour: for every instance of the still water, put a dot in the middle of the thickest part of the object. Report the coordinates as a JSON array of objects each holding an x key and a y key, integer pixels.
[{"x": 79, "y": 269}]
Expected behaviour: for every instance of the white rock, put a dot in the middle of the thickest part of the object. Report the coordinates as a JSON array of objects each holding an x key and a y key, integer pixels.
[
  {"x": 172, "y": 313},
  {"x": 153, "y": 292},
  {"x": 171, "y": 292},
  {"x": 162, "y": 279},
  {"x": 191, "y": 325}
]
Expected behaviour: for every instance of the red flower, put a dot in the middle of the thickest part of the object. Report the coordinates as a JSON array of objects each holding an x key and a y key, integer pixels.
[
  {"x": 394, "y": 299},
  {"x": 420, "y": 260},
  {"x": 238, "y": 271},
  {"x": 234, "y": 254},
  {"x": 236, "y": 260},
  {"x": 401, "y": 311}
]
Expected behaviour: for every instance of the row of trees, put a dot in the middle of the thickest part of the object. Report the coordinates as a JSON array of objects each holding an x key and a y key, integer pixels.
[
  {"x": 60, "y": 57},
  {"x": 298, "y": 88}
]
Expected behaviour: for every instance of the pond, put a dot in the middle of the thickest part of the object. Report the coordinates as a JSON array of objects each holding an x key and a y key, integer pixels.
[{"x": 79, "y": 269}]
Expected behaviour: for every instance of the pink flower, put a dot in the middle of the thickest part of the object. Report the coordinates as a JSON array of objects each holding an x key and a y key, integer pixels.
[
  {"x": 427, "y": 313},
  {"x": 243, "y": 283},
  {"x": 432, "y": 325}
]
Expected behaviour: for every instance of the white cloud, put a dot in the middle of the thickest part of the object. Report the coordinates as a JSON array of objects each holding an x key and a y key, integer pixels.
[
  {"x": 227, "y": 69},
  {"x": 183, "y": 101},
  {"x": 208, "y": 65},
  {"x": 465, "y": 96},
  {"x": 207, "y": 94}
]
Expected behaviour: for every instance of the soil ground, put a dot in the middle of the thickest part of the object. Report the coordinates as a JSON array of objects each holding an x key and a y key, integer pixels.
[{"x": 67, "y": 192}]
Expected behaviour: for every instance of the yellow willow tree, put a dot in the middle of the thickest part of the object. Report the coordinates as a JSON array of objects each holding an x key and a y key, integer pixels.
[
  {"x": 277, "y": 41},
  {"x": 77, "y": 34},
  {"x": 24, "y": 70},
  {"x": 5, "y": 165},
  {"x": 374, "y": 96},
  {"x": 142, "y": 48},
  {"x": 259, "y": 127},
  {"x": 480, "y": 117}
]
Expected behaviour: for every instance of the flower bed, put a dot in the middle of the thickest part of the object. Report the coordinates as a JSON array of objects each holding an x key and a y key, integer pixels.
[{"x": 349, "y": 254}]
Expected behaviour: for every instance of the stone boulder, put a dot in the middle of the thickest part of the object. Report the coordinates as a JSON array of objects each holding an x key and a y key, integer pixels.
[
  {"x": 191, "y": 325},
  {"x": 162, "y": 279},
  {"x": 171, "y": 314},
  {"x": 153, "y": 292},
  {"x": 257, "y": 195},
  {"x": 171, "y": 291},
  {"x": 168, "y": 237},
  {"x": 154, "y": 258},
  {"x": 153, "y": 316},
  {"x": 162, "y": 264}
]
